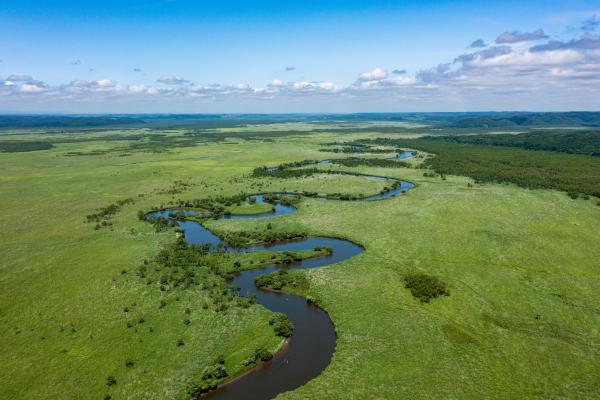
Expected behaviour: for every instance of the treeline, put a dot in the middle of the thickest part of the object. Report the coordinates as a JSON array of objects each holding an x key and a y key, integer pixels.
[
  {"x": 284, "y": 200},
  {"x": 21, "y": 146},
  {"x": 214, "y": 205},
  {"x": 356, "y": 149},
  {"x": 104, "y": 215},
  {"x": 575, "y": 174},
  {"x": 563, "y": 141},
  {"x": 370, "y": 162},
  {"x": 247, "y": 238},
  {"x": 283, "y": 278},
  {"x": 285, "y": 172}
]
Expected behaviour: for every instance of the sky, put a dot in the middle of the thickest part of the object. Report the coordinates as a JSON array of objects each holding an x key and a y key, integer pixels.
[{"x": 298, "y": 56}]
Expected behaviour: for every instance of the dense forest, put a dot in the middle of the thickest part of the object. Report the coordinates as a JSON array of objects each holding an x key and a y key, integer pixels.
[
  {"x": 564, "y": 141},
  {"x": 575, "y": 174}
]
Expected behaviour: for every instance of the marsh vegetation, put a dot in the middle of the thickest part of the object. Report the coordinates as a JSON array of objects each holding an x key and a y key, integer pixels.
[{"x": 81, "y": 305}]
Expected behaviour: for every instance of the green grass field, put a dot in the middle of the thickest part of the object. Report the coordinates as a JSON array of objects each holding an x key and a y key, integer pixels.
[{"x": 522, "y": 319}]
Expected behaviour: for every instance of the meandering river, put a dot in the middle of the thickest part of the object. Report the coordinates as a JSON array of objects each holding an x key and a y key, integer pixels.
[{"x": 308, "y": 352}]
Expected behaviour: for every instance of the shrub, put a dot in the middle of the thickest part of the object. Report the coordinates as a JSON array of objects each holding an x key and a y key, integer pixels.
[
  {"x": 425, "y": 287},
  {"x": 220, "y": 359},
  {"x": 129, "y": 363},
  {"x": 215, "y": 371},
  {"x": 262, "y": 354},
  {"x": 283, "y": 278},
  {"x": 111, "y": 380},
  {"x": 281, "y": 325},
  {"x": 209, "y": 381}
]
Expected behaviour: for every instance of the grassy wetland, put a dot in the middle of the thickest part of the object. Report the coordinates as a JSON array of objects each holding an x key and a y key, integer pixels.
[{"x": 466, "y": 288}]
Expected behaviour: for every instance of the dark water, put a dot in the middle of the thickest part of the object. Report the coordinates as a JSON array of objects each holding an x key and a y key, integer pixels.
[{"x": 309, "y": 350}]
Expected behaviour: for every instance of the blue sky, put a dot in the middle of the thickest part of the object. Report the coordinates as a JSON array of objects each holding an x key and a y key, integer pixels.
[{"x": 282, "y": 56}]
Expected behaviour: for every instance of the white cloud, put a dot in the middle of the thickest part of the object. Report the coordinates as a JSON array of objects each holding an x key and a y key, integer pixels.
[
  {"x": 527, "y": 58},
  {"x": 375, "y": 75},
  {"x": 276, "y": 83},
  {"x": 104, "y": 83},
  {"x": 327, "y": 85},
  {"x": 138, "y": 89},
  {"x": 27, "y": 88}
]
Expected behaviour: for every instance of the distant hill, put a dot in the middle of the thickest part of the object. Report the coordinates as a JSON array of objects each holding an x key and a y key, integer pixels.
[{"x": 444, "y": 121}]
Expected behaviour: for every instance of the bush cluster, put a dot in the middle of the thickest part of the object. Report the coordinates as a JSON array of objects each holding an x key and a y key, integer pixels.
[
  {"x": 370, "y": 162},
  {"x": 260, "y": 355},
  {"x": 283, "y": 278},
  {"x": 211, "y": 376},
  {"x": 425, "y": 287},
  {"x": 281, "y": 325}
]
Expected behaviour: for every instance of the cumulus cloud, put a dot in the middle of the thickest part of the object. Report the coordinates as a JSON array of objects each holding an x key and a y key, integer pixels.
[
  {"x": 172, "y": 80},
  {"x": 399, "y": 72},
  {"x": 19, "y": 78},
  {"x": 375, "y": 75},
  {"x": 276, "y": 83},
  {"x": 478, "y": 43},
  {"x": 105, "y": 83},
  {"x": 491, "y": 52},
  {"x": 517, "y": 36},
  {"x": 585, "y": 43},
  {"x": 290, "y": 68},
  {"x": 429, "y": 75},
  {"x": 31, "y": 88}
]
